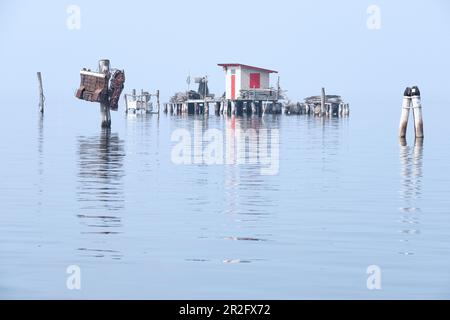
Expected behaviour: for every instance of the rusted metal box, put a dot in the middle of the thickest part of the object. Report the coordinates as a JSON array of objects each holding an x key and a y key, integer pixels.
[{"x": 93, "y": 87}]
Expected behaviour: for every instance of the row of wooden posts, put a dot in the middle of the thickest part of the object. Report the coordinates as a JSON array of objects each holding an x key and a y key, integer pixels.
[{"x": 225, "y": 107}]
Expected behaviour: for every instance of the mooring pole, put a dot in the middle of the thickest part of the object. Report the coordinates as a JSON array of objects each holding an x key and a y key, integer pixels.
[
  {"x": 322, "y": 102},
  {"x": 406, "y": 106},
  {"x": 41, "y": 93},
  {"x": 103, "y": 67},
  {"x": 417, "y": 111},
  {"x": 157, "y": 100},
  {"x": 233, "y": 107}
]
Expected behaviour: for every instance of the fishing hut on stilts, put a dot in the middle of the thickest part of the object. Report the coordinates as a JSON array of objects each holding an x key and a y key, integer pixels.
[{"x": 248, "y": 91}]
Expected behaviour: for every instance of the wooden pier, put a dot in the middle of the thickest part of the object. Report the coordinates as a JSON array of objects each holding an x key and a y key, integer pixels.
[
  {"x": 223, "y": 107},
  {"x": 321, "y": 106},
  {"x": 247, "y": 91}
]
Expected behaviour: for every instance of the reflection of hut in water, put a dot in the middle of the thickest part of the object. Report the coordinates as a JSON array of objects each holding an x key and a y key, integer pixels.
[{"x": 100, "y": 190}]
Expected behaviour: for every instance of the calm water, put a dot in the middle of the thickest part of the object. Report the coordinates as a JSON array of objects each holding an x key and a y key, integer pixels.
[{"x": 347, "y": 196}]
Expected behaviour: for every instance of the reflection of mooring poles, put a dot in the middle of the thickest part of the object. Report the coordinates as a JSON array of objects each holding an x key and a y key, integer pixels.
[
  {"x": 411, "y": 168},
  {"x": 411, "y": 100},
  {"x": 411, "y": 161},
  {"x": 41, "y": 93}
]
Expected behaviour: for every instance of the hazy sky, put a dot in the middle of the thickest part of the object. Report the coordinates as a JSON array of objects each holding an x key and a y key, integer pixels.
[{"x": 311, "y": 43}]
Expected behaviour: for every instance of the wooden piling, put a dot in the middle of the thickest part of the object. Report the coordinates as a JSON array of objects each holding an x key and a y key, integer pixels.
[
  {"x": 417, "y": 111},
  {"x": 217, "y": 108},
  {"x": 322, "y": 102},
  {"x": 406, "y": 106},
  {"x": 233, "y": 107},
  {"x": 253, "y": 103},
  {"x": 158, "y": 104},
  {"x": 103, "y": 67},
  {"x": 41, "y": 93}
]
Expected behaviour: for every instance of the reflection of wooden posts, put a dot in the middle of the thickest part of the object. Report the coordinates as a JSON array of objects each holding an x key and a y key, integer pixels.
[
  {"x": 41, "y": 93},
  {"x": 103, "y": 67}
]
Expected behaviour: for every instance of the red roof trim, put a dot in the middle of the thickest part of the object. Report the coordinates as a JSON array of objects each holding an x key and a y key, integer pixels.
[{"x": 225, "y": 65}]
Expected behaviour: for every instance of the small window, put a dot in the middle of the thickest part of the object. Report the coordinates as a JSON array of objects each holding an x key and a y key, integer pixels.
[
  {"x": 255, "y": 80},
  {"x": 233, "y": 71}
]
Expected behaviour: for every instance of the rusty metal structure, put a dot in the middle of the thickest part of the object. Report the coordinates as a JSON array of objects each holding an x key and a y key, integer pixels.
[
  {"x": 93, "y": 86},
  {"x": 101, "y": 87},
  {"x": 116, "y": 88}
]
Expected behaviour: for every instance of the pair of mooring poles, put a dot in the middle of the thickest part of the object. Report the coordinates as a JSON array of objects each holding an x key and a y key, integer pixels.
[{"x": 411, "y": 100}]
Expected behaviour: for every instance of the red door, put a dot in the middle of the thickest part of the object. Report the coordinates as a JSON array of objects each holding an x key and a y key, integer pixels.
[
  {"x": 255, "y": 80},
  {"x": 233, "y": 86}
]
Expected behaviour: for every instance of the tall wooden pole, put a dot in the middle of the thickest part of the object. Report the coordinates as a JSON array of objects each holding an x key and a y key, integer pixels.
[
  {"x": 405, "y": 113},
  {"x": 417, "y": 111},
  {"x": 41, "y": 93},
  {"x": 103, "y": 67},
  {"x": 157, "y": 100},
  {"x": 322, "y": 102}
]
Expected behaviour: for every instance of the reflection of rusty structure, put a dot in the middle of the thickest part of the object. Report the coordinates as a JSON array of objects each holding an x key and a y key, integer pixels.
[{"x": 100, "y": 193}]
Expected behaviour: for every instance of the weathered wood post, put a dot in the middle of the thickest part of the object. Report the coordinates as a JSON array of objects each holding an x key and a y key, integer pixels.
[
  {"x": 417, "y": 111},
  {"x": 103, "y": 67},
  {"x": 322, "y": 102},
  {"x": 233, "y": 107},
  {"x": 41, "y": 93},
  {"x": 217, "y": 108},
  {"x": 158, "y": 104},
  {"x": 126, "y": 103},
  {"x": 254, "y": 111},
  {"x": 406, "y": 106}
]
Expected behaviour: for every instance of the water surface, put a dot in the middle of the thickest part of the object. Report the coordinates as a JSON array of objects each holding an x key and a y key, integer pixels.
[{"x": 347, "y": 195}]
